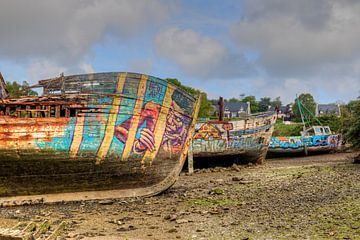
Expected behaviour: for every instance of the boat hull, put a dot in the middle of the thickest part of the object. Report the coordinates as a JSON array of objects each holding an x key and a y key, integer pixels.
[
  {"x": 298, "y": 145},
  {"x": 130, "y": 141},
  {"x": 246, "y": 139}
]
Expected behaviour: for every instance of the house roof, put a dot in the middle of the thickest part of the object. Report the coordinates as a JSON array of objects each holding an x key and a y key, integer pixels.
[
  {"x": 328, "y": 108},
  {"x": 283, "y": 109},
  {"x": 234, "y": 106}
]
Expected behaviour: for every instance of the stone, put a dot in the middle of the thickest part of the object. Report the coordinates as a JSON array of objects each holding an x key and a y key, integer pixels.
[
  {"x": 235, "y": 167},
  {"x": 181, "y": 221},
  {"x": 106, "y": 202},
  {"x": 237, "y": 179}
]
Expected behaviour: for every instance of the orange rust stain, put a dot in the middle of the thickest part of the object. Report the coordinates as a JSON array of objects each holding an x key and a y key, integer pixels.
[{"x": 21, "y": 132}]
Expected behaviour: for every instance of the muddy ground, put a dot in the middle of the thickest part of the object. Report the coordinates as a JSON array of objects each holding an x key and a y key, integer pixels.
[{"x": 315, "y": 197}]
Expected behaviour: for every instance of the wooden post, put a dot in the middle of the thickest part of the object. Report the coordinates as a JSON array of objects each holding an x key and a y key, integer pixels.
[
  {"x": 190, "y": 160},
  {"x": 221, "y": 109}
]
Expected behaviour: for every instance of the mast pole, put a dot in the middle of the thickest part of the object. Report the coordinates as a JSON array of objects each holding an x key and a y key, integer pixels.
[{"x": 301, "y": 113}]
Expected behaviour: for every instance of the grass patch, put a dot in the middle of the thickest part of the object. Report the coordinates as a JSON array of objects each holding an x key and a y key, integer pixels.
[
  {"x": 281, "y": 129},
  {"x": 340, "y": 221}
]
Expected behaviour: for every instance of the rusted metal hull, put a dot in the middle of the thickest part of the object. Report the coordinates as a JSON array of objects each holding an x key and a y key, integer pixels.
[
  {"x": 128, "y": 139},
  {"x": 302, "y": 145},
  {"x": 246, "y": 139}
]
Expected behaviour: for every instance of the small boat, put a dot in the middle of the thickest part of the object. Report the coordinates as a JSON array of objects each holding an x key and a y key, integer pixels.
[
  {"x": 316, "y": 138},
  {"x": 101, "y": 135},
  {"x": 246, "y": 138}
]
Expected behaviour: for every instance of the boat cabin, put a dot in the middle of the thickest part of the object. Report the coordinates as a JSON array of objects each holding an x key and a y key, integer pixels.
[{"x": 316, "y": 131}]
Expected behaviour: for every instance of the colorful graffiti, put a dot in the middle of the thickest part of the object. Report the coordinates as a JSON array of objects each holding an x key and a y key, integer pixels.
[
  {"x": 233, "y": 137},
  {"x": 124, "y": 132},
  {"x": 144, "y": 115},
  {"x": 299, "y": 143}
]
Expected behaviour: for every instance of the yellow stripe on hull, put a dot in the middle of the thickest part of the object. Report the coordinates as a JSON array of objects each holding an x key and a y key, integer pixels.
[
  {"x": 78, "y": 135},
  {"x": 135, "y": 118},
  {"x": 110, "y": 126},
  {"x": 160, "y": 126}
]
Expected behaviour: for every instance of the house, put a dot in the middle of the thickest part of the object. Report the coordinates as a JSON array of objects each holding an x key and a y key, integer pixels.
[
  {"x": 327, "y": 109},
  {"x": 234, "y": 109},
  {"x": 284, "y": 112}
]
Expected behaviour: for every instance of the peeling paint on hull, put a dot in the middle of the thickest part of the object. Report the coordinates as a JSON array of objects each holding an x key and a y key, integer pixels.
[
  {"x": 288, "y": 145},
  {"x": 247, "y": 138},
  {"x": 128, "y": 135}
]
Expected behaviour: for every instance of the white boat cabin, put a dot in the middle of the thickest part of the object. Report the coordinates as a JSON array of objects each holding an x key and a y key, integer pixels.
[{"x": 316, "y": 131}]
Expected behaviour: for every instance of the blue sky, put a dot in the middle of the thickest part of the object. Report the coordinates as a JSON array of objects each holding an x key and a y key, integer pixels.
[{"x": 226, "y": 48}]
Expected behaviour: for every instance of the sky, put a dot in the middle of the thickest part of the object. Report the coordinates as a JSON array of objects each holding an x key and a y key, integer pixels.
[{"x": 265, "y": 48}]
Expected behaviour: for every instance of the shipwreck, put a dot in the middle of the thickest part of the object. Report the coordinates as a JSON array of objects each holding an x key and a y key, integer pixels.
[
  {"x": 101, "y": 135},
  {"x": 246, "y": 138}
]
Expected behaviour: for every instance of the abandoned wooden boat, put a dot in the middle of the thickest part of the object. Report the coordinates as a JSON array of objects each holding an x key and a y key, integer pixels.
[
  {"x": 246, "y": 139},
  {"x": 313, "y": 139},
  {"x": 317, "y": 138},
  {"x": 102, "y": 135}
]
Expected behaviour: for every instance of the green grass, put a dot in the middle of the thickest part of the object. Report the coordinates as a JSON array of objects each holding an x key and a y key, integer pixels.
[{"x": 281, "y": 129}]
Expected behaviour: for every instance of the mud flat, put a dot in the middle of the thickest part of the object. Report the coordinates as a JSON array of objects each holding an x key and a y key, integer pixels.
[{"x": 316, "y": 197}]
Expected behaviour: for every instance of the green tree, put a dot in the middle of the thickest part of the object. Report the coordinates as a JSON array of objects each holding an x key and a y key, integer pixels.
[
  {"x": 17, "y": 90},
  {"x": 254, "y": 106},
  {"x": 308, "y": 107},
  {"x": 264, "y": 104},
  {"x": 353, "y": 133},
  {"x": 234, "y": 100},
  {"x": 206, "y": 106},
  {"x": 276, "y": 102},
  {"x": 333, "y": 121}
]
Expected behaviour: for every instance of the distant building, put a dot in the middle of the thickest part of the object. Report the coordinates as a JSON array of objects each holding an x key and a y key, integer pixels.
[
  {"x": 327, "y": 109},
  {"x": 234, "y": 109},
  {"x": 284, "y": 112}
]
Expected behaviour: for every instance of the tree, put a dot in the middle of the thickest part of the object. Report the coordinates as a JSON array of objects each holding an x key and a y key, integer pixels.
[
  {"x": 353, "y": 133},
  {"x": 205, "y": 106},
  {"x": 234, "y": 100},
  {"x": 276, "y": 103},
  {"x": 264, "y": 104},
  {"x": 17, "y": 90},
  {"x": 308, "y": 107},
  {"x": 254, "y": 106}
]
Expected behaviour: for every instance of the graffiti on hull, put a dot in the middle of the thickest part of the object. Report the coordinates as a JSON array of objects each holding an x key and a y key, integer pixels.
[
  {"x": 298, "y": 142},
  {"x": 112, "y": 115},
  {"x": 232, "y": 137}
]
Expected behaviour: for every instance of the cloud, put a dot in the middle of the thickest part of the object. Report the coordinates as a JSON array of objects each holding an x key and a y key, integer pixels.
[
  {"x": 198, "y": 55},
  {"x": 315, "y": 42},
  {"x": 86, "y": 68},
  {"x": 294, "y": 41},
  {"x": 65, "y": 31},
  {"x": 43, "y": 69}
]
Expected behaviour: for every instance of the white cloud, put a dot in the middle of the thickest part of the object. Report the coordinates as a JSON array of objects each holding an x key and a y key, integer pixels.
[
  {"x": 86, "y": 68},
  {"x": 43, "y": 69},
  {"x": 315, "y": 42},
  {"x": 199, "y": 55},
  {"x": 65, "y": 31}
]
